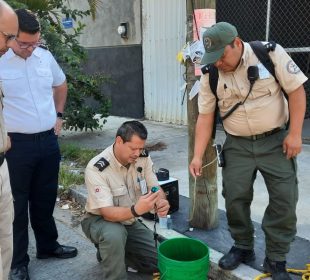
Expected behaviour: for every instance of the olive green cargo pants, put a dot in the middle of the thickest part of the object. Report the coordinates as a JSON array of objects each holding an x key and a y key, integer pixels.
[
  {"x": 243, "y": 158},
  {"x": 120, "y": 245}
]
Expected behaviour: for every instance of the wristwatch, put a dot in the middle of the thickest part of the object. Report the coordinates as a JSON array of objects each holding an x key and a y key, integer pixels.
[
  {"x": 59, "y": 115},
  {"x": 133, "y": 211}
]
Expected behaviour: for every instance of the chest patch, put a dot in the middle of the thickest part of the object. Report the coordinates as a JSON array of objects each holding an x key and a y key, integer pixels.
[{"x": 102, "y": 164}]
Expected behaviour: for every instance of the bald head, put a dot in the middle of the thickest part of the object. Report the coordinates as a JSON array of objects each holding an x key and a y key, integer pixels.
[
  {"x": 7, "y": 16},
  {"x": 8, "y": 25}
]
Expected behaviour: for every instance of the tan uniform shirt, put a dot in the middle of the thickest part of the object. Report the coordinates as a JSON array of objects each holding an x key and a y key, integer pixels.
[
  {"x": 266, "y": 107},
  {"x": 3, "y": 133},
  {"x": 116, "y": 185}
]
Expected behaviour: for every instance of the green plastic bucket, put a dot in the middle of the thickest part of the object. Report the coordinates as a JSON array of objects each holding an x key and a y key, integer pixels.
[{"x": 183, "y": 259}]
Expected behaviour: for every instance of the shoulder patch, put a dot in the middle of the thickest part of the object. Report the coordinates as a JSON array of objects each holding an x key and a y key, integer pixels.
[
  {"x": 102, "y": 164},
  {"x": 144, "y": 153},
  {"x": 292, "y": 67}
]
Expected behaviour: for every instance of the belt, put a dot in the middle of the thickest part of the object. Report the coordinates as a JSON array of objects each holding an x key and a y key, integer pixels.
[
  {"x": 262, "y": 135},
  {"x": 1, "y": 158},
  {"x": 31, "y": 137}
]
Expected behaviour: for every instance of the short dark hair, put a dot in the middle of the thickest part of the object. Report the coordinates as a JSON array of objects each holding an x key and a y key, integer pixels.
[
  {"x": 130, "y": 128},
  {"x": 27, "y": 21}
]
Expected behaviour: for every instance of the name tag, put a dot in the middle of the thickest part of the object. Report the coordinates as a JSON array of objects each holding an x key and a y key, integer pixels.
[
  {"x": 143, "y": 186},
  {"x": 263, "y": 72}
]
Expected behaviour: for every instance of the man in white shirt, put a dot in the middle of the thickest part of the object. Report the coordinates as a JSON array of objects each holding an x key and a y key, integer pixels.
[{"x": 35, "y": 91}]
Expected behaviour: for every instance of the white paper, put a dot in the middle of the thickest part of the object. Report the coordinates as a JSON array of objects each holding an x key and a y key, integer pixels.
[
  {"x": 196, "y": 51},
  {"x": 182, "y": 88},
  {"x": 186, "y": 52},
  {"x": 195, "y": 89}
]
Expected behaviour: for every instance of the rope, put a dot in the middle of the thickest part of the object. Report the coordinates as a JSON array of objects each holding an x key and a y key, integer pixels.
[
  {"x": 194, "y": 197},
  {"x": 305, "y": 273},
  {"x": 157, "y": 276}
]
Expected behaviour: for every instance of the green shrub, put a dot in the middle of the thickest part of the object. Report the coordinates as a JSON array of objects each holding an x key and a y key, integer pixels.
[{"x": 86, "y": 104}]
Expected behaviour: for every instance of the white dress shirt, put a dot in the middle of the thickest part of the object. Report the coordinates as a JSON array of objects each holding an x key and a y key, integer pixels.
[{"x": 28, "y": 90}]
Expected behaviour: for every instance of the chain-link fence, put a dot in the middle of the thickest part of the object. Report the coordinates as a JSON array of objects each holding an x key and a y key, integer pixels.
[{"x": 286, "y": 22}]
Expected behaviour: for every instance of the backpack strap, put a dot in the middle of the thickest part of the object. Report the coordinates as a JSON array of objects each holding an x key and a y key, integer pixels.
[
  {"x": 213, "y": 77},
  {"x": 262, "y": 53},
  {"x": 213, "y": 82}
]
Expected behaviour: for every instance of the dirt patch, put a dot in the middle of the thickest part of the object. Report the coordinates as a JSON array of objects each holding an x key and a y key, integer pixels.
[{"x": 159, "y": 146}]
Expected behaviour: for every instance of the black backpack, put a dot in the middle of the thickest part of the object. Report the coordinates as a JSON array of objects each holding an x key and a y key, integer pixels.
[{"x": 262, "y": 53}]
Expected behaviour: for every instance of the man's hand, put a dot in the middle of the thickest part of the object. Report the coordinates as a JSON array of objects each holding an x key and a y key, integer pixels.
[
  {"x": 147, "y": 202},
  {"x": 58, "y": 126},
  {"x": 292, "y": 145},
  {"x": 203, "y": 134},
  {"x": 162, "y": 207},
  {"x": 195, "y": 167},
  {"x": 297, "y": 107}
]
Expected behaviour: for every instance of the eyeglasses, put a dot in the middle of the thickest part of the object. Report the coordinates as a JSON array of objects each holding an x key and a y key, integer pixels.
[
  {"x": 7, "y": 36},
  {"x": 23, "y": 45}
]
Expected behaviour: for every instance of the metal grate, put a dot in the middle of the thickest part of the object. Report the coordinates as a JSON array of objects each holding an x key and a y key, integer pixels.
[{"x": 286, "y": 22}]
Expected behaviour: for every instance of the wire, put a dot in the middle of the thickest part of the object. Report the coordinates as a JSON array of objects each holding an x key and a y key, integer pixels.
[
  {"x": 305, "y": 273},
  {"x": 155, "y": 230},
  {"x": 195, "y": 183}
]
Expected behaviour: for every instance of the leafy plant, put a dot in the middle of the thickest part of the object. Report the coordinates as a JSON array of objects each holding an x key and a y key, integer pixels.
[
  {"x": 74, "y": 160},
  {"x": 72, "y": 152},
  {"x": 86, "y": 105},
  {"x": 67, "y": 178}
]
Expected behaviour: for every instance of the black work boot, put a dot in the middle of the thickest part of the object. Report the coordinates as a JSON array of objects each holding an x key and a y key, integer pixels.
[
  {"x": 236, "y": 256},
  {"x": 277, "y": 269}
]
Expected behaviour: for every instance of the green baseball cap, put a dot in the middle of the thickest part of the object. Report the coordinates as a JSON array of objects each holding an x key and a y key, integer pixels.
[{"x": 215, "y": 39}]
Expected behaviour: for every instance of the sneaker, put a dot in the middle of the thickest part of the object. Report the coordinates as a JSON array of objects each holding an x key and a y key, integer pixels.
[
  {"x": 277, "y": 269},
  {"x": 235, "y": 257}
]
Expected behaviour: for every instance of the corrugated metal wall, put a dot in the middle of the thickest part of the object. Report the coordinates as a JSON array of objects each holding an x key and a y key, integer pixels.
[{"x": 163, "y": 35}]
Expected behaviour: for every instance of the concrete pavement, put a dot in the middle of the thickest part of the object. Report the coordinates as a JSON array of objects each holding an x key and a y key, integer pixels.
[{"x": 174, "y": 158}]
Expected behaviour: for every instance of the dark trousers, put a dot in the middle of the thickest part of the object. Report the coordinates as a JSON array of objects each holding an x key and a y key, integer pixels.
[
  {"x": 243, "y": 159},
  {"x": 120, "y": 245},
  {"x": 33, "y": 163}
]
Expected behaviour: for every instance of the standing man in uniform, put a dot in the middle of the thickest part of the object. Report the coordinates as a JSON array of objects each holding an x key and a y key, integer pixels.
[
  {"x": 119, "y": 181},
  {"x": 256, "y": 141},
  {"x": 8, "y": 31},
  {"x": 35, "y": 93}
]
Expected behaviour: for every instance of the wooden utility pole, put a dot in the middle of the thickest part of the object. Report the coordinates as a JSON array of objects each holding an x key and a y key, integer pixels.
[{"x": 203, "y": 194}]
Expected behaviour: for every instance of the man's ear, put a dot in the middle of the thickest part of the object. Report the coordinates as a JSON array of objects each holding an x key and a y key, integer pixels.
[
  {"x": 119, "y": 140},
  {"x": 238, "y": 42}
]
